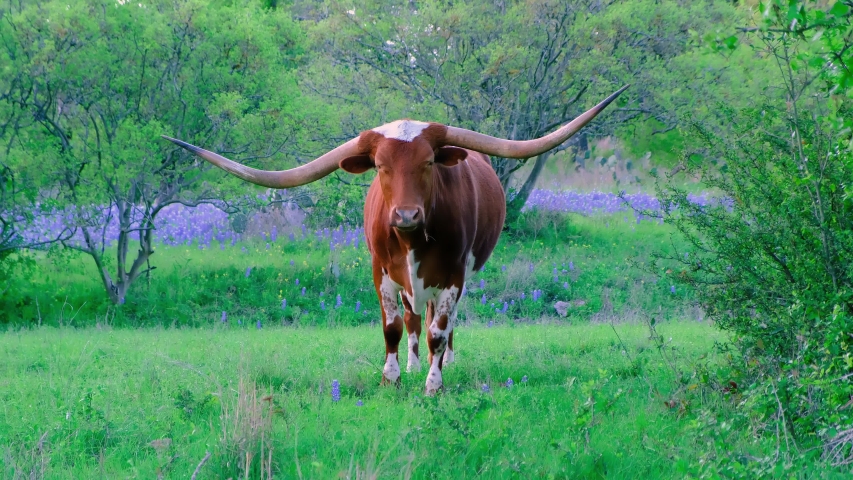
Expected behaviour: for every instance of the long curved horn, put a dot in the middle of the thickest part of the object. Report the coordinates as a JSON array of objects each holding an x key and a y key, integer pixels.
[
  {"x": 459, "y": 137},
  {"x": 312, "y": 171}
]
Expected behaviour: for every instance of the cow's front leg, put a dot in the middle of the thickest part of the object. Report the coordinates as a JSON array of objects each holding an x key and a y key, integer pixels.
[
  {"x": 413, "y": 328},
  {"x": 392, "y": 324},
  {"x": 438, "y": 335}
]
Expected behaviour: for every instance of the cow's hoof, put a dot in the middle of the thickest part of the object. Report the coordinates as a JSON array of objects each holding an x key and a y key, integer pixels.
[
  {"x": 433, "y": 383},
  {"x": 449, "y": 357},
  {"x": 385, "y": 381},
  {"x": 431, "y": 391},
  {"x": 413, "y": 365}
]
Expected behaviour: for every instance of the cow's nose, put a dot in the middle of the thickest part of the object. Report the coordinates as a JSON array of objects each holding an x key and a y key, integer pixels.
[{"x": 407, "y": 218}]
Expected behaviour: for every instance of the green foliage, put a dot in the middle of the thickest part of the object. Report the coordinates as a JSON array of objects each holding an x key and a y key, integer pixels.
[
  {"x": 90, "y": 87},
  {"x": 115, "y": 403},
  {"x": 520, "y": 69},
  {"x": 772, "y": 261},
  {"x": 192, "y": 287}
]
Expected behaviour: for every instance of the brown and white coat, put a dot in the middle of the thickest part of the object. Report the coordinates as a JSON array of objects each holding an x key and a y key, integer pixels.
[{"x": 432, "y": 217}]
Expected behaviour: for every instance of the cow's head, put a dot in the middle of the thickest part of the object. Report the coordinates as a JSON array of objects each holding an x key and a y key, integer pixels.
[{"x": 405, "y": 153}]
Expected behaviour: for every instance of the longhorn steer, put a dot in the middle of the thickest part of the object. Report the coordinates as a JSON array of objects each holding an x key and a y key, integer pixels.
[{"x": 432, "y": 218}]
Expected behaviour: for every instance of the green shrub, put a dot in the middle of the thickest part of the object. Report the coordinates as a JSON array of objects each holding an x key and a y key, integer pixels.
[{"x": 772, "y": 261}]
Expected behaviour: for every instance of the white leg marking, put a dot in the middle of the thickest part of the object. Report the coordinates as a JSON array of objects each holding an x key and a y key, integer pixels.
[
  {"x": 389, "y": 290},
  {"x": 449, "y": 357},
  {"x": 445, "y": 305},
  {"x": 414, "y": 363},
  {"x": 469, "y": 266},
  {"x": 391, "y": 372}
]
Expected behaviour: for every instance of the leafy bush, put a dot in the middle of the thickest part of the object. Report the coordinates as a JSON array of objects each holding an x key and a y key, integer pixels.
[{"x": 772, "y": 261}]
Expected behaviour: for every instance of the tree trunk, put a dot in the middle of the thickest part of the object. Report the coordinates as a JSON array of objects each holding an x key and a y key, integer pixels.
[{"x": 515, "y": 204}]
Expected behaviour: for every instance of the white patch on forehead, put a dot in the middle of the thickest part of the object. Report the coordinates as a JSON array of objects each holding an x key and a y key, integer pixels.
[{"x": 405, "y": 130}]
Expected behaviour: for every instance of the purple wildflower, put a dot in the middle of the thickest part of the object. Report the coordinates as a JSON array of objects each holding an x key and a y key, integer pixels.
[
  {"x": 297, "y": 282},
  {"x": 483, "y": 300},
  {"x": 523, "y": 296},
  {"x": 357, "y": 306},
  {"x": 338, "y": 302},
  {"x": 672, "y": 289},
  {"x": 571, "y": 266},
  {"x": 336, "y": 391},
  {"x": 482, "y": 283},
  {"x": 291, "y": 263},
  {"x": 565, "y": 284},
  {"x": 490, "y": 324},
  {"x": 524, "y": 379},
  {"x": 509, "y": 383},
  {"x": 530, "y": 268},
  {"x": 224, "y": 316},
  {"x": 248, "y": 271},
  {"x": 268, "y": 246},
  {"x": 283, "y": 303},
  {"x": 303, "y": 291},
  {"x": 359, "y": 403},
  {"x": 485, "y": 388},
  {"x": 322, "y": 305},
  {"x": 503, "y": 268},
  {"x": 258, "y": 325}
]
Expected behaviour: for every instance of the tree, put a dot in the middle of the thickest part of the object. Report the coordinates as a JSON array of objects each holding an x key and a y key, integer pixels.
[
  {"x": 520, "y": 69},
  {"x": 100, "y": 81},
  {"x": 772, "y": 262}
]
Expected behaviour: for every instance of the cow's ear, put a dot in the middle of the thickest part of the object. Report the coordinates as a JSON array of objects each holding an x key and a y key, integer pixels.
[
  {"x": 357, "y": 164},
  {"x": 450, "y": 156}
]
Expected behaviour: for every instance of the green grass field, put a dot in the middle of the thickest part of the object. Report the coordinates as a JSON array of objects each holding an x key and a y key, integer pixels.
[
  {"x": 141, "y": 403},
  {"x": 149, "y": 389}
]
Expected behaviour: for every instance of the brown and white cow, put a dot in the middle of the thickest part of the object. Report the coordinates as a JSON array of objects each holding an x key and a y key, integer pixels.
[{"x": 432, "y": 218}]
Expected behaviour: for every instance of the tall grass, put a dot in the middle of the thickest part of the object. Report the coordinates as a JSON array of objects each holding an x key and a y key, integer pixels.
[
  {"x": 585, "y": 262},
  {"x": 86, "y": 403}
]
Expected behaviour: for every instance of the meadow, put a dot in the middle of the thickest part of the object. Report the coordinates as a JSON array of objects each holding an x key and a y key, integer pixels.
[
  {"x": 525, "y": 401},
  {"x": 222, "y": 352}
]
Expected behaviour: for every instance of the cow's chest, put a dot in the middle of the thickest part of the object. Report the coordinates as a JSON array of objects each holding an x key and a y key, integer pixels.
[{"x": 422, "y": 287}]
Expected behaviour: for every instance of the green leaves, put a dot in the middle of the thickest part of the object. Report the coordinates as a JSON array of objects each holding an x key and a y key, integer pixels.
[{"x": 839, "y": 9}]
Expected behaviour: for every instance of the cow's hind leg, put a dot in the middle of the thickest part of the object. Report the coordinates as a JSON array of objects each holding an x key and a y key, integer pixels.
[
  {"x": 392, "y": 324},
  {"x": 413, "y": 329},
  {"x": 449, "y": 356},
  {"x": 438, "y": 335}
]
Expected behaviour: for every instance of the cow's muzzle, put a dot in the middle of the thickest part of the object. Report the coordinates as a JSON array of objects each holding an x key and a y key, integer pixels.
[{"x": 407, "y": 219}]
